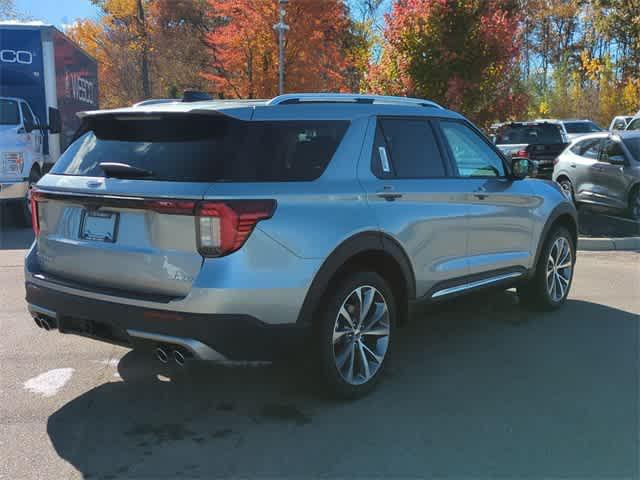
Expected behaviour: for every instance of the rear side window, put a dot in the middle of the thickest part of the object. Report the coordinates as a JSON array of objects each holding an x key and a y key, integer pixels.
[
  {"x": 588, "y": 148},
  {"x": 205, "y": 148},
  {"x": 411, "y": 148}
]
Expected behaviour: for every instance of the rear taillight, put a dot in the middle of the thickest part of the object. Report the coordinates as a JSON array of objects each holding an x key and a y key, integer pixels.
[
  {"x": 35, "y": 221},
  {"x": 223, "y": 227},
  {"x": 521, "y": 154},
  {"x": 555, "y": 161}
]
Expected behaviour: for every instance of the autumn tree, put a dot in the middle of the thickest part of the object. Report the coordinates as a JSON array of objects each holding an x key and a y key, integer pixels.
[
  {"x": 244, "y": 49},
  {"x": 146, "y": 48},
  {"x": 462, "y": 53}
]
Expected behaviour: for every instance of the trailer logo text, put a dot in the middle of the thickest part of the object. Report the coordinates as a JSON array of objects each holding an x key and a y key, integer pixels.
[
  {"x": 79, "y": 88},
  {"x": 16, "y": 56}
]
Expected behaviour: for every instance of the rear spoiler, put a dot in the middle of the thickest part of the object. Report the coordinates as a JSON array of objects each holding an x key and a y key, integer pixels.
[{"x": 239, "y": 111}]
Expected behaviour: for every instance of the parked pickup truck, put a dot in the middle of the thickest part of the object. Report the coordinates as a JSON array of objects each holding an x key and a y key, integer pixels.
[{"x": 541, "y": 142}]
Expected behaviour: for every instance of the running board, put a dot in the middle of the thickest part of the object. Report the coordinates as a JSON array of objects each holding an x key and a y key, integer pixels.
[{"x": 475, "y": 284}]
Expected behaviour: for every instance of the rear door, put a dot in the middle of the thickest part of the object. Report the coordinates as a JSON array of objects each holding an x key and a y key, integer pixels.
[
  {"x": 609, "y": 174},
  {"x": 500, "y": 214},
  {"x": 410, "y": 189}
]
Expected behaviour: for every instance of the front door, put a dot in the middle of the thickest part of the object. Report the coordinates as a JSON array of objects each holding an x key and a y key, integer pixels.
[
  {"x": 609, "y": 174},
  {"x": 409, "y": 186},
  {"x": 34, "y": 138},
  {"x": 500, "y": 215}
]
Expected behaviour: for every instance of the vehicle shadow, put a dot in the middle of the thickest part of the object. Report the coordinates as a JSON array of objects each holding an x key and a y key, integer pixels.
[
  {"x": 13, "y": 236},
  {"x": 600, "y": 222},
  {"x": 479, "y": 388}
]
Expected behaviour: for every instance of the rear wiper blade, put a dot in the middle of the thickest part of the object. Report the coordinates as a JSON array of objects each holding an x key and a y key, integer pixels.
[{"x": 123, "y": 170}]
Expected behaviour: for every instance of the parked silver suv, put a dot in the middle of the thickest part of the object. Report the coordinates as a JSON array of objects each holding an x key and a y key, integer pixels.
[
  {"x": 602, "y": 169},
  {"x": 242, "y": 229}
]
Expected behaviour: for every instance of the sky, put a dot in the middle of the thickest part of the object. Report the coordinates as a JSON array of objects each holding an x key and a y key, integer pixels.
[
  {"x": 64, "y": 12},
  {"x": 57, "y": 12}
]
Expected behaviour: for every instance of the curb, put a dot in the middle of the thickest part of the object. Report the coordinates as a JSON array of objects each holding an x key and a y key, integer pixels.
[{"x": 603, "y": 244}]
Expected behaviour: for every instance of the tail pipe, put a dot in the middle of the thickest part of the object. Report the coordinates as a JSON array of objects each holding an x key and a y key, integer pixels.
[
  {"x": 163, "y": 353},
  {"x": 44, "y": 322},
  {"x": 181, "y": 356}
]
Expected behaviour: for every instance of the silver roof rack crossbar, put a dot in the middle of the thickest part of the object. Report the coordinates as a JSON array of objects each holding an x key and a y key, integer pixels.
[{"x": 297, "y": 98}]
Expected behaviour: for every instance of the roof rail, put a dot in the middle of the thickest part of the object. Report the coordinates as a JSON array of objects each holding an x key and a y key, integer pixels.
[{"x": 297, "y": 98}]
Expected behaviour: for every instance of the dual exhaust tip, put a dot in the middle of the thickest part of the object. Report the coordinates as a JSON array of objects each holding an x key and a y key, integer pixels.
[
  {"x": 180, "y": 355},
  {"x": 44, "y": 322}
]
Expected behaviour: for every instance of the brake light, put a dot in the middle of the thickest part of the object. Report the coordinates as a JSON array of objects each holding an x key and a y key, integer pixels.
[
  {"x": 35, "y": 221},
  {"x": 521, "y": 154},
  {"x": 223, "y": 227}
]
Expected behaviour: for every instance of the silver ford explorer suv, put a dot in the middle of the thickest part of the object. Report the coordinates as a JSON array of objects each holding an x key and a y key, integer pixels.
[{"x": 245, "y": 230}]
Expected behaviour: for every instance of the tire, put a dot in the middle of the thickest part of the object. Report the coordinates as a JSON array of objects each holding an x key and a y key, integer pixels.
[
  {"x": 539, "y": 294},
  {"x": 567, "y": 188},
  {"x": 344, "y": 346},
  {"x": 634, "y": 203},
  {"x": 25, "y": 205}
]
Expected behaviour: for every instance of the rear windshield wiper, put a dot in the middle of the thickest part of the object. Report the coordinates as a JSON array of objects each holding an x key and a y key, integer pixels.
[{"x": 123, "y": 170}]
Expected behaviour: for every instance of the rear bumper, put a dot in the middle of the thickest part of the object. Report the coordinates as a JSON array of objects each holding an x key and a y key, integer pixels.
[
  {"x": 208, "y": 337},
  {"x": 13, "y": 190}
]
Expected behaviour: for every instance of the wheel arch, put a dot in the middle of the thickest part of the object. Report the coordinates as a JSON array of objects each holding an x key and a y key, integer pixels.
[
  {"x": 373, "y": 251},
  {"x": 562, "y": 215}
]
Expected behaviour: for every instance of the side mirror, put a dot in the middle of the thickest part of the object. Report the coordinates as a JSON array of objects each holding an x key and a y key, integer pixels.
[
  {"x": 521, "y": 168},
  {"x": 55, "y": 123}
]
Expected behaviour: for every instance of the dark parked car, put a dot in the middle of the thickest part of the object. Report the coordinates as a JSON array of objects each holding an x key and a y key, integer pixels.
[{"x": 541, "y": 142}]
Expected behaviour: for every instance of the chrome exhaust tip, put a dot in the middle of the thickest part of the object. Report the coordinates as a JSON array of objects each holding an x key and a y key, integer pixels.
[
  {"x": 46, "y": 323},
  {"x": 181, "y": 356},
  {"x": 37, "y": 320},
  {"x": 162, "y": 355}
]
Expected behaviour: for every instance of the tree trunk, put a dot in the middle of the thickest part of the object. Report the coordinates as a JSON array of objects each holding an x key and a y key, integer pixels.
[{"x": 144, "y": 64}]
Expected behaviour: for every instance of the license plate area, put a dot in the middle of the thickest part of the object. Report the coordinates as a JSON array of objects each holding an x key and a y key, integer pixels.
[{"x": 99, "y": 226}]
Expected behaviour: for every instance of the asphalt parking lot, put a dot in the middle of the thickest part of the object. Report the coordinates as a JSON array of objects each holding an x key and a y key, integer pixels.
[{"x": 478, "y": 389}]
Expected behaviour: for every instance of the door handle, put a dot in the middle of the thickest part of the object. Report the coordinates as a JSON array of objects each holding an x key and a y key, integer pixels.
[
  {"x": 479, "y": 193},
  {"x": 573, "y": 165},
  {"x": 388, "y": 194}
]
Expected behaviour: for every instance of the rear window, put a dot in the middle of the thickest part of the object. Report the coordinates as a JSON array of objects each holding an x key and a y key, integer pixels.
[
  {"x": 9, "y": 114},
  {"x": 544, "y": 134},
  {"x": 581, "y": 127},
  {"x": 205, "y": 148}
]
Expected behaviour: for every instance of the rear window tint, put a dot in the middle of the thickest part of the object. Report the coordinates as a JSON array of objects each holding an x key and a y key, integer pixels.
[
  {"x": 581, "y": 127},
  {"x": 205, "y": 148},
  {"x": 541, "y": 134}
]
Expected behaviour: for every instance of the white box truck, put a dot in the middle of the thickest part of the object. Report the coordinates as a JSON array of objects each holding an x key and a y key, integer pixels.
[{"x": 45, "y": 80}]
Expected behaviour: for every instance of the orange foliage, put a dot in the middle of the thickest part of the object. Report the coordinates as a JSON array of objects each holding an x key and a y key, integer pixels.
[{"x": 244, "y": 48}]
